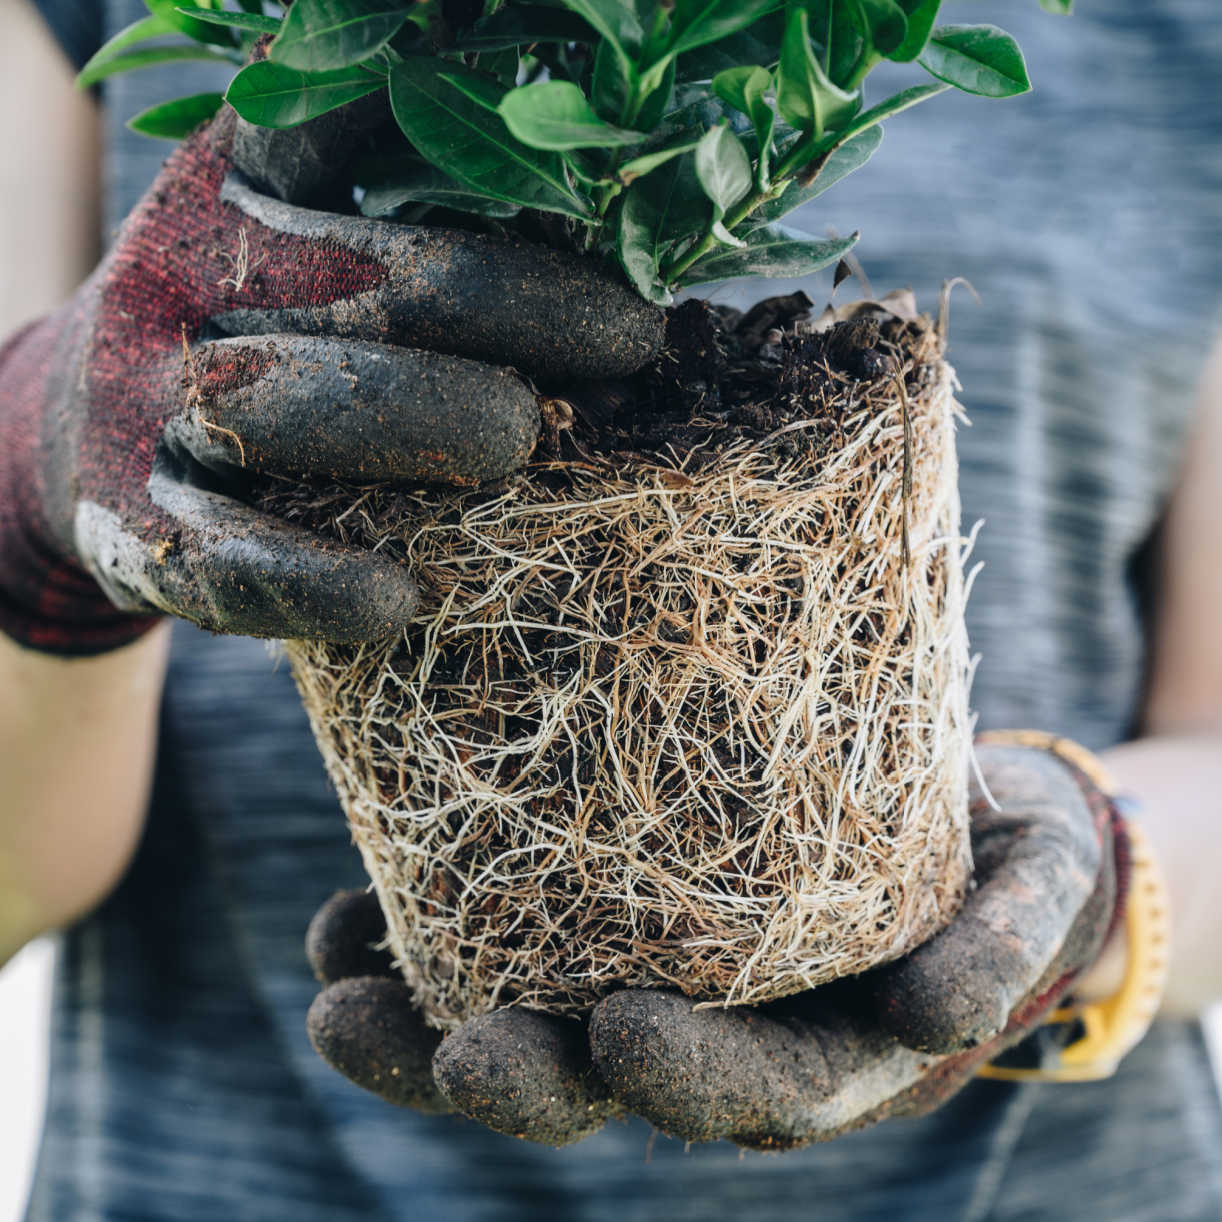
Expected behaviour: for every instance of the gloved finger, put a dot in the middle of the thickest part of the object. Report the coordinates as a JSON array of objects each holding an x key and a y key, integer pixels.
[
  {"x": 343, "y": 938},
  {"x": 525, "y": 1074},
  {"x": 297, "y": 406},
  {"x": 229, "y": 568},
  {"x": 1038, "y": 862},
  {"x": 304, "y": 164},
  {"x": 768, "y": 1080},
  {"x": 367, "y": 1029},
  {"x": 506, "y": 302}
]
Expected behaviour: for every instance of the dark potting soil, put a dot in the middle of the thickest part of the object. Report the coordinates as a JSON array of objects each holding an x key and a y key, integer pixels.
[{"x": 726, "y": 375}]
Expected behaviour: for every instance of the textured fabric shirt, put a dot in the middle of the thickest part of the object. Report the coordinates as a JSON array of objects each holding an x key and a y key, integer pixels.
[{"x": 1086, "y": 215}]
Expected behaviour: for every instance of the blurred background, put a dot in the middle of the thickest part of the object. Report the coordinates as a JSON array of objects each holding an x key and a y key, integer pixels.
[{"x": 25, "y": 1006}]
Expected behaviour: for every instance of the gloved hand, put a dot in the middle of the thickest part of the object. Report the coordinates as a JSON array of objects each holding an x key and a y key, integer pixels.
[
  {"x": 229, "y": 333},
  {"x": 533, "y": 1077},
  {"x": 897, "y": 1041}
]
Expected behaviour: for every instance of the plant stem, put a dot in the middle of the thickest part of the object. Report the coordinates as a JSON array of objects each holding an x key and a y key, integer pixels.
[
  {"x": 797, "y": 156},
  {"x": 868, "y": 61},
  {"x": 603, "y": 197},
  {"x": 735, "y": 216},
  {"x": 802, "y": 153}
]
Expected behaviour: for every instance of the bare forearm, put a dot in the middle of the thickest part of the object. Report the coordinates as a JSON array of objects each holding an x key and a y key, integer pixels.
[
  {"x": 1175, "y": 769},
  {"x": 1178, "y": 780},
  {"x": 76, "y": 736},
  {"x": 77, "y": 740}
]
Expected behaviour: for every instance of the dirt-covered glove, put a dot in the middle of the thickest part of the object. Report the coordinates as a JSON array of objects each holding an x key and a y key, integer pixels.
[
  {"x": 229, "y": 333},
  {"x": 898, "y": 1041},
  {"x": 902, "y": 1040},
  {"x": 535, "y": 1075}
]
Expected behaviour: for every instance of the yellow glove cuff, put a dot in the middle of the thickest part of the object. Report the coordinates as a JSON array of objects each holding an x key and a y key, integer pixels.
[{"x": 1113, "y": 1027}]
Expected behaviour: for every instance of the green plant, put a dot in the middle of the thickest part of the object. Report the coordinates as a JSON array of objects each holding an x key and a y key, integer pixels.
[{"x": 672, "y": 135}]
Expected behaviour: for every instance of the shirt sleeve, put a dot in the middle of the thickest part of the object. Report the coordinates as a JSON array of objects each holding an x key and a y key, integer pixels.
[{"x": 76, "y": 24}]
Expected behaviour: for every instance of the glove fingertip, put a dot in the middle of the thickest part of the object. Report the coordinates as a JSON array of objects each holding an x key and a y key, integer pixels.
[
  {"x": 939, "y": 1008},
  {"x": 671, "y": 1064},
  {"x": 523, "y": 1074},
  {"x": 230, "y": 568},
  {"x": 343, "y": 936},
  {"x": 305, "y": 164},
  {"x": 367, "y": 1029}
]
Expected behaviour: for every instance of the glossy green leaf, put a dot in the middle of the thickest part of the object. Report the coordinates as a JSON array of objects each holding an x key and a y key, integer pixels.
[
  {"x": 759, "y": 43},
  {"x": 253, "y": 23},
  {"x": 614, "y": 83},
  {"x": 322, "y": 35},
  {"x": 840, "y": 163},
  {"x": 450, "y": 115},
  {"x": 103, "y": 65},
  {"x": 176, "y": 119},
  {"x": 392, "y": 182},
  {"x": 977, "y": 59},
  {"x": 724, "y": 169},
  {"x": 839, "y": 28},
  {"x": 696, "y": 22},
  {"x": 639, "y": 166},
  {"x": 887, "y": 23},
  {"x": 740, "y": 87},
  {"x": 921, "y": 16},
  {"x": 272, "y": 95},
  {"x": 1063, "y": 7},
  {"x": 139, "y": 31},
  {"x": 556, "y": 115},
  {"x": 671, "y": 202},
  {"x": 804, "y": 95},
  {"x": 773, "y": 251},
  {"x": 901, "y": 101},
  {"x": 745, "y": 88},
  {"x": 637, "y": 249},
  {"x": 659, "y": 91},
  {"x": 522, "y": 25},
  {"x": 183, "y": 18},
  {"x": 614, "y": 20}
]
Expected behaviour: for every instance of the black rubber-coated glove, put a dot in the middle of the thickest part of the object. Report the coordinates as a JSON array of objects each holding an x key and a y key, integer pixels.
[
  {"x": 534, "y": 1078},
  {"x": 897, "y": 1041},
  {"x": 230, "y": 334}
]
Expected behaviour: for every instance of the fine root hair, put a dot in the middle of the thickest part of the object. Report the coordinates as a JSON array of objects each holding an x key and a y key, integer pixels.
[{"x": 688, "y": 720}]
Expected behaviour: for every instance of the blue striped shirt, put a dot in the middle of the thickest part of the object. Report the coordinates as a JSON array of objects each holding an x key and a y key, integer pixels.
[{"x": 1086, "y": 215}]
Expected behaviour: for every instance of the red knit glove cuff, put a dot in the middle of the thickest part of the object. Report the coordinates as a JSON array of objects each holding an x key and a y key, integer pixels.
[{"x": 47, "y": 601}]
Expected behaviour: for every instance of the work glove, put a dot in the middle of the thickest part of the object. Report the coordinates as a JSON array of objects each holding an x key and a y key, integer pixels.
[
  {"x": 534, "y": 1078},
  {"x": 897, "y": 1041},
  {"x": 230, "y": 335}
]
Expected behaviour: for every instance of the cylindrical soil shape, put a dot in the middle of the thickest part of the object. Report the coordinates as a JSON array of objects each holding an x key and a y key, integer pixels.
[{"x": 687, "y": 713}]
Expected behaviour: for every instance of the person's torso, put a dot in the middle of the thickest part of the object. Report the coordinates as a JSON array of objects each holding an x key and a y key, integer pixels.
[{"x": 1086, "y": 217}]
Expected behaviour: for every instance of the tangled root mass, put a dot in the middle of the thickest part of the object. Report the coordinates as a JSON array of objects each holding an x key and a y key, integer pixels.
[{"x": 675, "y": 709}]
